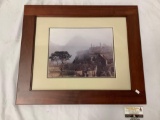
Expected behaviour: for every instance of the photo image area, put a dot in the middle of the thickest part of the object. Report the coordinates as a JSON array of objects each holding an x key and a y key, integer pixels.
[{"x": 81, "y": 52}]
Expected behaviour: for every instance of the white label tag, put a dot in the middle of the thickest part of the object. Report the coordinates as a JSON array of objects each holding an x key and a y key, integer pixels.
[
  {"x": 137, "y": 91},
  {"x": 134, "y": 112}
]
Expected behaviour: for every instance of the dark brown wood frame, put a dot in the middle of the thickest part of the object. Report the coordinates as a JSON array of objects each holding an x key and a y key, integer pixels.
[{"x": 25, "y": 95}]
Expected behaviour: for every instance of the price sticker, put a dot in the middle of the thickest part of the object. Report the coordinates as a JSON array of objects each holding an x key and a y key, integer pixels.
[{"x": 134, "y": 112}]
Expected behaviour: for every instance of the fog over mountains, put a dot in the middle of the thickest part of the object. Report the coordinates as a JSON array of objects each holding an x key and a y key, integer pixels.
[
  {"x": 78, "y": 39},
  {"x": 76, "y": 44}
]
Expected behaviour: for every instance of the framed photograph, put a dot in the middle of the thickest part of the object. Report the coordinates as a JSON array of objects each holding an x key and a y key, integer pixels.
[
  {"x": 81, "y": 55},
  {"x": 81, "y": 52}
]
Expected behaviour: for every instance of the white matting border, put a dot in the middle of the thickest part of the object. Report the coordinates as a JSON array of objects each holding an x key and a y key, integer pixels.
[{"x": 40, "y": 80}]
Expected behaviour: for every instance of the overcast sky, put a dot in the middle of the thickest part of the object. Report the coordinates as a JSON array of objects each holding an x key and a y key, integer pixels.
[
  {"x": 61, "y": 36},
  {"x": 73, "y": 40}
]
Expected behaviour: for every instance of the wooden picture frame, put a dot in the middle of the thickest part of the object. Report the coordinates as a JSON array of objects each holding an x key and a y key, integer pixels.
[{"x": 25, "y": 94}]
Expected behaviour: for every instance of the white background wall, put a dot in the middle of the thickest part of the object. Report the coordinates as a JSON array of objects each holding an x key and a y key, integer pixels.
[{"x": 11, "y": 15}]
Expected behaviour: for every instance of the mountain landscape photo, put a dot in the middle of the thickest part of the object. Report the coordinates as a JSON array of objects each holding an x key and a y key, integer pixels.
[{"x": 81, "y": 53}]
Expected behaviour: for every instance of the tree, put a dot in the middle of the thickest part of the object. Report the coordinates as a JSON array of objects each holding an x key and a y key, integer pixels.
[
  {"x": 54, "y": 58},
  {"x": 60, "y": 55}
]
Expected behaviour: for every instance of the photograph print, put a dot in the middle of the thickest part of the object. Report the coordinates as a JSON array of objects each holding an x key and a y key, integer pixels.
[{"x": 81, "y": 52}]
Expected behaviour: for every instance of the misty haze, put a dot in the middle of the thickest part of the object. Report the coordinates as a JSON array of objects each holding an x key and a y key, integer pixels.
[{"x": 81, "y": 52}]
